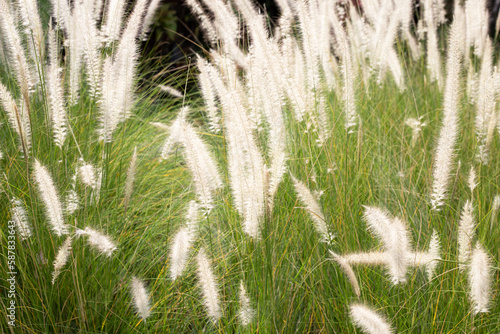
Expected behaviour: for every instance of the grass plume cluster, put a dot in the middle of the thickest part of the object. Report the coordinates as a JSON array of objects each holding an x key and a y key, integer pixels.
[{"x": 335, "y": 172}]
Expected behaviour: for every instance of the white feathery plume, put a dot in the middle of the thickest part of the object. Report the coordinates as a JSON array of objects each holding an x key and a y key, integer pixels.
[
  {"x": 95, "y": 239},
  {"x": 179, "y": 252},
  {"x": 209, "y": 96},
  {"x": 13, "y": 43},
  {"x": 486, "y": 104},
  {"x": 89, "y": 38},
  {"x": 110, "y": 107},
  {"x": 227, "y": 27},
  {"x": 199, "y": 159},
  {"x": 98, "y": 8},
  {"x": 181, "y": 245},
  {"x": 205, "y": 22},
  {"x": 480, "y": 280},
  {"x": 246, "y": 312},
  {"x": 113, "y": 20},
  {"x": 398, "y": 249},
  {"x": 349, "y": 73},
  {"x": 495, "y": 206},
  {"x": 416, "y": 127},
  {"x": 87, "y": 175},
  {"x": 61, "y": 11},
  {"x": 50, "y": 197},
  {"x": 18, "y": 117},
  {"x": 96, "y": 192},
  {"x": 472, "y": 180},
  {"x": 30, "y": 19},
  {"x": 140, "y": 297},
  {"x": 472, "y": 84},
  {"x": 406, "y": 12},
  {"x": 415, "y": 50},
  {"x": 20, "y": 217},
  {"x": 314, "y": 51},
  {"x": 310, "y": 42},
  {"x": 129, "y": 182},
  {"x": 394, "y": 235},
  {"x": 433, "y": 55},
  {"x": 171, "y": 90},
  {"x": 208, "y": 285},
  {"x": 192, "y": 217},
  {"x": 72, "y": 202},
  {"x": 348, "y": 271},
  {"x": 76, "y": 50},
  {"x": 388, "y": 58},
  {"x": 175, "y": 134},
  {"x": 61, "y": 258},
  {"x": 160, "y": 126},
  {"x": 368, "y": 320},
  {"x": 148, "y": 19},
  {"x": 119, "y": 75},
  {"x": 466, "y": 228},
  {"x": 312, "y": 207},
  {"x": 476, "y": 17},
  {"x": 56, "y": 93},
  {"x": 247, "y": 171},
  {"x": 434, "y": 254},
  {"x": 377, "y": 258},
  {"x": 265, "y": 92},
  {"x": 379, "y": 222},
  {"x": 369, "y": 258},
  {"x": 443, "y": 160}
]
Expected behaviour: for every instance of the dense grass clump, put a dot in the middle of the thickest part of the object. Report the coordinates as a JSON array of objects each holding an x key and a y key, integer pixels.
[{"x": 332, "y": 174}]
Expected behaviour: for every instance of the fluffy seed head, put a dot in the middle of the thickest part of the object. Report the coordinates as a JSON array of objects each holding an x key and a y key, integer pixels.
[
  {"x": 20, "y": 217},
  {"x": 435, "y": 255},
  {"x": 466, "y": 228},
  {"x": 443, "y": 161},
  {"x": 312, "y": 207},
  {"x": 480, "y": 280},
  {"x": 368, "y": 320},
  {"x": 179, "y": 252},
  {"x": 140, "y": 297},
  {"x": 50, "y": 197},
  {"x": 171, "y": 90},
  {"x": 472, "y": 181},
  {"x": 72, "y": 202},
  {"x": 209, "y": 288},
  {"x": 61, "y": 258},
  {"x": 246, "y": 313},
  {"x": 101, "y": 242},
  {"x": 129, "y": 182},
  {"x": 87, "y": 175}
]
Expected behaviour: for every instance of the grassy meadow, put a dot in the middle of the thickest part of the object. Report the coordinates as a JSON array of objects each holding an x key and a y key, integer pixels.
[{"x": 245, "y": 212}]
